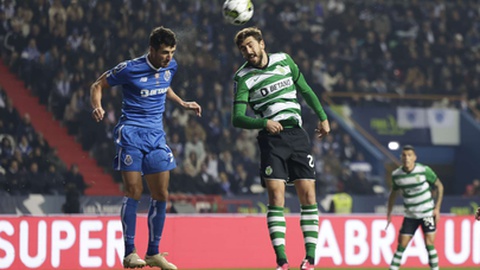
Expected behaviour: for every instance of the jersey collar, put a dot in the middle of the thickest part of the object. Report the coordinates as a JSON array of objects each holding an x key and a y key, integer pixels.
[{"x": 151, "y": 65}]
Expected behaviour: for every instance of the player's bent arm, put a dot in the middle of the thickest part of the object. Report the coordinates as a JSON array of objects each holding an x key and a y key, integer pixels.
[
  {"x": 240, "y": 120},
  {"x": 96, "y": 97},
  {"x": 171, "y": 95},
  {"x": 188, "y": 105},
  {"x": 310, "y": 97},
  {"x": 96, "y": 91}
]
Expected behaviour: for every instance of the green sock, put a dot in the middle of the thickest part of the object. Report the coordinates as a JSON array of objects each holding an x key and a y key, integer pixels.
[
  {"x": 309, "y": 225},
  {"x": 397, "y": 258},
  {"x": 277, "y": 228},
  {"x": 432, "y": 257}
]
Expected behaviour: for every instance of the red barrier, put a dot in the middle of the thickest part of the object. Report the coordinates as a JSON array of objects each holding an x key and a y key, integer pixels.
[{"x": 225, "y": 241}]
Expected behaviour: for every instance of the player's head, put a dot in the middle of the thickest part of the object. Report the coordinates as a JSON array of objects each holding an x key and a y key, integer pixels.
[
  {"x": 163, "y": 43},
  {"x": 408, "y": 157},
  {"x": 250, "y": 43}
]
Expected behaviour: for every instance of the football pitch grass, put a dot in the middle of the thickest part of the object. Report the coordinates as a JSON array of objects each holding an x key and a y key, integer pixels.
[{"x": 350, "y": 268}]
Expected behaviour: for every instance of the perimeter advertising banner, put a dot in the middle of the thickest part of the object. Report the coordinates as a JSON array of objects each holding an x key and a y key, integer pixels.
[
  {"x": 419, "y": 126},
  {"x": 226, "y": 241}
]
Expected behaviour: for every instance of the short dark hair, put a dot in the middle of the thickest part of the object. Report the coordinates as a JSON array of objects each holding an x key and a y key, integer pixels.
[
  {"x": 162, "y": 35},
  {"x": 248, "y": 32},
  {"x": 408, "y": 147}
]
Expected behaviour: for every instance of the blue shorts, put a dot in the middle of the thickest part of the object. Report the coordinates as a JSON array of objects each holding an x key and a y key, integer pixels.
[{"x": 142, "y": 149}]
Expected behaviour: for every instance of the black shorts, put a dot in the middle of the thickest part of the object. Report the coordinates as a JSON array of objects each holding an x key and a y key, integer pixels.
[
  {"x": 410, "y": 225},
  {"x": 286, "y": 155}
]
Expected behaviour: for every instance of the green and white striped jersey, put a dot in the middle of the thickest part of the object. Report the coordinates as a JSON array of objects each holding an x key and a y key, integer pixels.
[
  {"x": 415, "y": 186},
  {"x": 271, "y": 92}
]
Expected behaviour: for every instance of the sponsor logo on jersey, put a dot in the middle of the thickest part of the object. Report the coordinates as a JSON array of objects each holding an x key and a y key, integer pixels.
[
  {"x": 153, "y": 92},
  {"x": 144, "y": 79},
  {"x": 276, "y": 86},
  {"x": 167, "y": 75},
  {"x": 128, "y": 160},
  {"x": 281, "y": 70}
]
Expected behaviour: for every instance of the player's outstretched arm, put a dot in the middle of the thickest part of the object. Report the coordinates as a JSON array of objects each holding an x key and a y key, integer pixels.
[
  {"x": 438, "y": 204},
  {"x": 188, "y": 105},
  {"x": 96, "y": 97}
]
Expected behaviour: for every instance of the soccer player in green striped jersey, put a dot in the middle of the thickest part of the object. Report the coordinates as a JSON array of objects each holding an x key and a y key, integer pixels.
[
  {"x": 269, "y": 83},
  {"x": 415, "y": 181}
]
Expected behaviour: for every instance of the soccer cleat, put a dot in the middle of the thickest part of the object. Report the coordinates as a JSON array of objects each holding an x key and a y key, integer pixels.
[
  {"x": 283, "y": 267},
  {"x": 306, "y": 265},
  {"x": 158, "y": 260},
  {"x": 133, "y": 261}
]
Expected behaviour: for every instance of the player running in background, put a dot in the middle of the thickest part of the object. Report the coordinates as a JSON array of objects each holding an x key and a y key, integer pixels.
[
  {"x": 415, "y": 181},
  {"x": 268, "y": 83},
  {"x": 140, "y": 138}
]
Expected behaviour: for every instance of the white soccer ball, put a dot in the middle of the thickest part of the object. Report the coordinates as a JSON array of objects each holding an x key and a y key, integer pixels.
[{"x": 237, "y": 12}]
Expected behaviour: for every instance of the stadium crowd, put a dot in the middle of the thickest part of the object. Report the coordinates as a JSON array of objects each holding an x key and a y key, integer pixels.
[{"x": 58, "y": 48}]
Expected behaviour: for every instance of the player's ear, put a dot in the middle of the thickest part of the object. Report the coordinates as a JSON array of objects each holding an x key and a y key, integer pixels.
[{"x": 262, "y": 44}]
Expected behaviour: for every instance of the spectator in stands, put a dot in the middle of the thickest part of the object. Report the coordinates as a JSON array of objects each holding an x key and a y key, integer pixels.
[
  {"x": 196, "y": 144},
  {"x": 25, "y": 128},
  {"x": 61, "y": 94},
  {"x": 16, "y": 184},
  {"x": 74, "y": 177},
  {"x": 35, "y": 180},
  {"x": 359, "y": 184},
  {"x": 10, "y": 116},
  {"x": 7, "y": 149},
  {"x": 72, "y": 200},
  {"x": 24, "y": 146},
  {"x": 55, "y": 181}
]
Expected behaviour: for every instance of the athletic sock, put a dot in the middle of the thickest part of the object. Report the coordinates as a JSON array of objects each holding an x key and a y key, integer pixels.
[
  {"x": 309, "y": 225},
  {"x": 432, "y": 257},
  {"x": 156, "y": 220},
  {"x": 277, "y": 228},
  {"x": 397, "y": 258},
  {"x": 128, "y": 215}
]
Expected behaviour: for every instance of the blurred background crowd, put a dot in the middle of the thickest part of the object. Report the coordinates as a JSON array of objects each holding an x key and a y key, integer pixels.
[{"x": 59, "y": 47}]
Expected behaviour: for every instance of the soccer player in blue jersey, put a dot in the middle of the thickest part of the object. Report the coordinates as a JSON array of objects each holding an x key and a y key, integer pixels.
[{"x": 140, "y": 138}]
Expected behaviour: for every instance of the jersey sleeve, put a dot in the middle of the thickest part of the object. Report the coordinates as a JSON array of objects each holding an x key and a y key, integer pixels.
[
  {"x": 118, "y": 75},
  {"x": 306, "y": 91},
  {"x": 240, "y": 103},
  {"x": 430, "y": 174}
]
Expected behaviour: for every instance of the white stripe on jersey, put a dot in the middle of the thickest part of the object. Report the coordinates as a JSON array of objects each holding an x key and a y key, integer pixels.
[
  {"x": 276, "y": 107},
  {"x": 417, "y": 199},
  {"x": 289, "y": 95},
  {"x": 258, "y": 78},
  {"x": 276, "y": 57},
  {"x": 411, "y": 180},
  {"x": 284, "y": 116}
]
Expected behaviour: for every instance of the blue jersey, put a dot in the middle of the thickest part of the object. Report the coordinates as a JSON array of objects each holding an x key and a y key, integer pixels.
[{"x": 144, "y": 90}]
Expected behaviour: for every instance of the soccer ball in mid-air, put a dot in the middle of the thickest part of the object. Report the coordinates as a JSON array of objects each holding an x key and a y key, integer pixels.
[{"x": 237, "y": 12}]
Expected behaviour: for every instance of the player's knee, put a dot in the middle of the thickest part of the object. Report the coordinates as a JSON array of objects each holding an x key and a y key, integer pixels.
[
  {"x": 133, "y": 191},
  {"x": 276, "y": 199},
  {"x": 160, "y": 195}
]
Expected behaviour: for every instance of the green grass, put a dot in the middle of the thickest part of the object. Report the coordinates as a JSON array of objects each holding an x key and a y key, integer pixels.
[{"x": 350, "y": 268}]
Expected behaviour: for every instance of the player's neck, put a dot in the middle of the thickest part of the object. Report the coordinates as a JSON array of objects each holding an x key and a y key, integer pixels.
[
  {"x": 152, "y": 62},
  {"x": 408, "y": 169}
]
